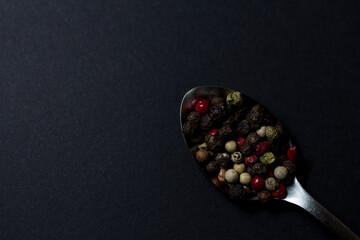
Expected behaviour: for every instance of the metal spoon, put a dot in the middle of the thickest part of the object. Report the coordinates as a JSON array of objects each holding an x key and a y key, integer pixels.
[{"x": 295, "y": 193}]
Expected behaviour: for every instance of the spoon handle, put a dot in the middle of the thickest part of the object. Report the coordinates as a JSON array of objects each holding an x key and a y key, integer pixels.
[{"x": 298, "y": 196}]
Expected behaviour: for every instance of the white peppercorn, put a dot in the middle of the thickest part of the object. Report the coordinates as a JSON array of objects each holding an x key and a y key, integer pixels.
[
  {"x": 245, "y": 178},
  {"x": 261, "y": 131},
  {"x": 231, "y": 175},
  {"x": 240, "y": 168},
  {"x": 280, "y": 172},
  {"x": 230, "y": 146}
]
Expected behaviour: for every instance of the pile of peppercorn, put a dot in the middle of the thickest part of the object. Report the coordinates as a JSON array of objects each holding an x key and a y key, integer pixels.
[{"x": 240, "y": 146}]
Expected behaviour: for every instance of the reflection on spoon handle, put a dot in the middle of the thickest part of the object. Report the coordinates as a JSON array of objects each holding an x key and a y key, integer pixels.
[{"x": 298, "y": 196}]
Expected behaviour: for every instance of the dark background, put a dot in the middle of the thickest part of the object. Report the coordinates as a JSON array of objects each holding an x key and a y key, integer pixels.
[{"x": 90, "y": 92}]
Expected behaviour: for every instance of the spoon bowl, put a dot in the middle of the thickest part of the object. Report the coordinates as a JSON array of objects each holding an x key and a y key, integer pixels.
[{"x": 295, "y": 192}]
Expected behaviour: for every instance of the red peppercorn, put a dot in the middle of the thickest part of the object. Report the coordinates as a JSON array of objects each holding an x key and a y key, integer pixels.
[
  {"x": 202, "y": 106},
  {"x": 262, "y": 148},
  {"x": 281, "y": 192},
  {"x": 257, "y": 183},
  {"x": 271, "y": 174},
  {"x": 213, "y": 132},
  {"x": 240, "y": 141},
  {"x": 292, "y": 153},
  {"x": 249, "y": 161}
]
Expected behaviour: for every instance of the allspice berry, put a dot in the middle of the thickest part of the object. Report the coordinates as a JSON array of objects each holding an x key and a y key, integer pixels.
[
  {"x": 240, "y": 168},
  {"x": 212, "y": 167},
  {"x": 230, "y": 146},
  {"x": 290, "y": 166},
  {"x": 261, "y": 131},
  {"x": 236, "y": 157},
  {"x": 271, "y": 184},
  {"x": 231, "y": 176},
  {"x": 280, "y": 172},
  {"x": 202, "y": 155},
  {"x": 245, "y": 178},
  {"x": 234, "y": 99},
  {"x": 221, "y": 175},
  {"x": 267, "y": 158},
  {"x": 271, "y": 133},
  {"x": 264, "y": 196}
]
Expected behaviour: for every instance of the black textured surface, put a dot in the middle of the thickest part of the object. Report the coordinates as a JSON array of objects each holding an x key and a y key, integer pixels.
[{"x": 90, "y": 91}]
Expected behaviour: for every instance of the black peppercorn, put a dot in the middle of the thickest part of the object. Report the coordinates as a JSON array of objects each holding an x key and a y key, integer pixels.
[
  {"x": 243, "y": 128},
  {"x": 264, "y": 196},
  {"x": 253, "y": 139},
  {"x": 194, "y": 116},
  {"x": 236, "y": 192},
  {"x": 254, "y": 119},
  {"x": 232, "y": 121},
  {"x": 214, "y": 143},
  {"x": 259, "y": 169},
  {"x": 246, "y": 149},
  {"x": 290, "y": 166},
  {"x": 280, "y": 129},
  {"x": 212, "y": 167},
  {"x": 217, "y": 101},
  {"x": 226, "y": 133},
  {"x": 189, "y": 128},
  {"x": 217, "y": 112},
  {"x": 206, "y": 122},
  {"x": 224, "y": 161}
]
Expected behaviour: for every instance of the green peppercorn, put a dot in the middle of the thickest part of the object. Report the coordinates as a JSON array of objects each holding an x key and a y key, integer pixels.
[
  {"x": 236, "y": 157},
  {"x": 271, "y": 133},
  {"x": 234, "y": 99},
  {"x": 267, "y": 158}
]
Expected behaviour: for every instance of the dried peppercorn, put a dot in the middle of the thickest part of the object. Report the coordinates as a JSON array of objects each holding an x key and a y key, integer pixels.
[
  {"x": 253, "y": 139},
  {"x": 249, "y": 161},
  {"x": 246, "y": 149},
  {"x": 261, "y": 131},
  {"x": 212, "y": 167},
  {"x": 206, "y": 122},
  {"x": 292, "y": 153},
  {"x": 243, "y": 128},
  {"x": 271, "y": 133},
  {"x": 240, "y": 168},
  {"x": 226, "y": 132},
  {"x": 236, "y": 157},
  {"x": 280, "y": 129},
  {"x": 223, "y": 160},
  {"x": 281, "y": 192},
  {"x": 202, "y": 106},
  {"x": 193, "y": 117},
  {"x": 245, "y": 178},
  {"x": 264, "y": 196},
  {"x": 271, "y": 184},
  {"x": 230, "y": 146},
  {"x": 267, "y": 158},
  {"x": 240, "y": 141},
  {"x": 236, "y": 192},
  {"x": 254, "y": 119},
  {"x": 202, "y": 155},
  {"x": 189, "y": 128},
  {"x": 217, "y": 112},
  {"x": 262, "y": 148},
  {"x": 257, "y": 183},
  {"x": 217, "y": 101},
  {"x": 231, "y": 176},
  {"x": 213, "y": 132},
  {"x": 259, "y": 169},
  {"x": 214, "y": 143},
  {"x": 234, "y": 98},
  {"x": 280, "y": 172},
  {"x": 290, "y": 166},
  {"x": 221, "y": 175}
]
